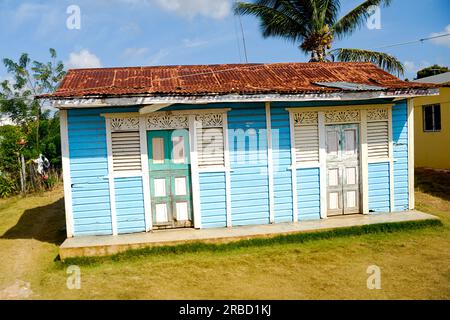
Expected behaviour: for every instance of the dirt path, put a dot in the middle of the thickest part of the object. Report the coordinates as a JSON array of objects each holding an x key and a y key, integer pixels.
[{"x": 31, "y": 230}]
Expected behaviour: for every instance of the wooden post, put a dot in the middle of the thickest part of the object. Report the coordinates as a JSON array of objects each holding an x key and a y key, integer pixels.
[
  {"x": 22, "y": 182},
  {"x": 22, "y": 160}
]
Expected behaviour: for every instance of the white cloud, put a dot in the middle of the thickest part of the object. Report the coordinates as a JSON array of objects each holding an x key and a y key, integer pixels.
[
  {"x": 83, "y": 59},
  {"x": 158, "y": 57},
  {"x": 443, "y": 41},
  {"x": 193, "y": 43},
  {"x": 217, "y": 9},
  {"x": 131, "y": 53},
  {"x": 411, "y": 68}
]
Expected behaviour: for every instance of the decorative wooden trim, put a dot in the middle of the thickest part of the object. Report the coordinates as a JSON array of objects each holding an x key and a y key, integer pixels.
[
  {"x": 166, "y": 122},
  {"x": 145, "y": 176},
  {"x": 270, "y": 163},
  {"x": 226, "y": 145},
  {"x": 294, "y": 168},
  {"x": 111, "y": 177},
  {"x": 65, "y": 154},
  {"x": 195, "y": 173},
  {"x": 124, "y": 124},
  {"x": 339, "y": 116},
  {"x": 341, "y": 107},
  {"x": 172, "y": 112},
  {"x": 210, "y": 120},
  {"x": 378, "y": 114},
  {"x": 411, "y": 153},
  {"x": 323, "y": 166},
  {"x": 364, "y": 164},
  {"x": 305, "y": 118},
  {"x": 391, "y": 161}
]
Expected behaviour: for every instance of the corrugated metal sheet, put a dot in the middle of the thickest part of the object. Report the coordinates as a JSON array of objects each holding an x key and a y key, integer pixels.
[{"x": 282, "y": 78}]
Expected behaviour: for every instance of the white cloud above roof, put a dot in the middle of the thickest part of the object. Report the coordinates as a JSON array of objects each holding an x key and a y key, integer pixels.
[
  {"x": 216, "y": 9},
  {"x": 443, "y": 41},
  {"x": 83, "y": 59}
]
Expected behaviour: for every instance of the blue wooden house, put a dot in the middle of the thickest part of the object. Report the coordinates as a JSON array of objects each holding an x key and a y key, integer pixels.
[{"x": 230, "y": 145}]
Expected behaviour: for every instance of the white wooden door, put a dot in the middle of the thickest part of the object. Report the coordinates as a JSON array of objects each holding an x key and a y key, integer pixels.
[{"x": 342, "y": 169}]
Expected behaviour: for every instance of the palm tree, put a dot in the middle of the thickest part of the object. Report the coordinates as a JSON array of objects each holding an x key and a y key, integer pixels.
[{"x": 315, "y": 24}]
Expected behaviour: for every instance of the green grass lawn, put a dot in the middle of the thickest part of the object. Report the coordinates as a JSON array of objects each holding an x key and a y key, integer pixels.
[{"x": 415, "y": 264}]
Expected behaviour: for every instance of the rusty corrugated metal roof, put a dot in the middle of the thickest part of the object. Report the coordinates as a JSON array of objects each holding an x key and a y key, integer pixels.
[{"x": 243, "y": 79}]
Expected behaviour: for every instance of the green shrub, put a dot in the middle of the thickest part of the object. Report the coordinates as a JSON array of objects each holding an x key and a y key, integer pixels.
[{"x": 7, "y": 187}]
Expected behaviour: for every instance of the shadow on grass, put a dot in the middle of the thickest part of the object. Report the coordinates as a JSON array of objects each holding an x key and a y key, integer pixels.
[
  {"x": 45, "y": 224},
  {"x": 195, "y": 247},
  {"x": 436, "y": 183}
]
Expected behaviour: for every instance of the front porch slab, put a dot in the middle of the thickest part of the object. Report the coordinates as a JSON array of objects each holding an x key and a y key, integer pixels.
[{"x": 108, "y": 245}]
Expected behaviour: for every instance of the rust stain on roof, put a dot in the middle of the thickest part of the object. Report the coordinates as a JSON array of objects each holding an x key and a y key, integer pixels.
[{"x": 281, "y": 78}]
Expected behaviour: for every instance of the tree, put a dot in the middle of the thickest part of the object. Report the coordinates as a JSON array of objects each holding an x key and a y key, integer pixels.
[
  {"x": 29, "y": 80},
  {"x": 431, "y": 71},
  {"x": 34, "y": 122},
  {"x": 315, "y": 24}
]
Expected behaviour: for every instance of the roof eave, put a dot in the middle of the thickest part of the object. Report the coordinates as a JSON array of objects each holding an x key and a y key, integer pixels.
[{"x": 133, "y": 100}]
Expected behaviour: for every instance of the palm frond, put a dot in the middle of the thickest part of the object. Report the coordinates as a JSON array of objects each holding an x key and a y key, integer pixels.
[
  {"x": 279, "y": 18},
  {"x": 383, "y": 60},
  {"x": 356, "y": 18}
]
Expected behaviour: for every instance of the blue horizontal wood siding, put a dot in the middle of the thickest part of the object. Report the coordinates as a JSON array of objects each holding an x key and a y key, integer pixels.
[
  {"x": 129, "y": 205},
  {"x": 282, "y": 174},
  {"x": 213, "y": 199},
  {"x": 308, "y": 194},
  {"x": 379, "y": 187},
  {"x": 89, "y": 171},
  {"x": 248, "y": 159},
  {"x": 400, "y": 140}
]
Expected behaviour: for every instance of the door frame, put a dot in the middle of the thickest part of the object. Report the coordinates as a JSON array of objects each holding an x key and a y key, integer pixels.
[
  {"x": 362, "y": 119},
  {"x": 340, "y": 175},
  {"x": 170, "y": 169}
]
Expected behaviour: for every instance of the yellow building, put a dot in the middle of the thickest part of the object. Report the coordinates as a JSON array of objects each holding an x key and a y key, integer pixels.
[{"x": 432, "y": 126}]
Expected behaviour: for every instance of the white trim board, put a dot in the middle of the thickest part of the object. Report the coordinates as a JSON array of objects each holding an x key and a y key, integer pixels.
[
  {"x": 270, "y": 163},
  {"x": 411, "y": 154},
  {"x": 364, "y": 163},
  {"x": 293, "y": 168},
  {"x": 226, "y": 145},
  {"x": 112, "y": 192},
  {"x": 145, "y": 176},
  {"x": 195, "y": 178},
  {"x": 323, "y": 166},
  {"x": 65, "y": 154}
]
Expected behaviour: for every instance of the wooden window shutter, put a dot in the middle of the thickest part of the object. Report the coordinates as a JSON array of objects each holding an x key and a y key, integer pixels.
[
  {"x": 210, "y": 147},
  {"x": 306, "y": 135},
  {"x": 378, "y": 139},
  {"x": 126, "y": 151}
]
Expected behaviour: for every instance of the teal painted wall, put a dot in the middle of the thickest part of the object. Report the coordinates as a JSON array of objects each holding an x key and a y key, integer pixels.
[
  {"x": 308, "y": 194},
  {"x": 249, "y": 177},
  {"x": 400, "y": 139},
  {"x": 89, "y": 171},
  {"x": 129, "y": 205},
  {"x": 379, "y": 187},
  {"x": 213, "y": 199}
]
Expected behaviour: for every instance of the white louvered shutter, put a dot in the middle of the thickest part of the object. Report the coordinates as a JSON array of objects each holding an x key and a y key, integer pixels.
[
  {"x": 307, "y": 143},
  {"x": 378, "y": 139},
  {"x": 126, "y": 151},
  {"x": 210, "y": 147}
]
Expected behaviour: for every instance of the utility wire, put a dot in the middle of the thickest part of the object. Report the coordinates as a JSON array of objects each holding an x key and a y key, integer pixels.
[
  {"x": 243, "y": 35},
  {"x": 412, "y": 42}
]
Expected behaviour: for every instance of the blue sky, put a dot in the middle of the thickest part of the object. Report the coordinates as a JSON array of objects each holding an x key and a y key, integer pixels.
[{"x": 163, "y": 32}]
